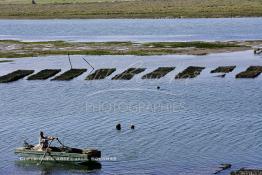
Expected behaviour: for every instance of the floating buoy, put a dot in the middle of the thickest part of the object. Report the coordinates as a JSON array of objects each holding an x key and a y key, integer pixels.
[
  {"x": 118, "y": 126},
  {"x": 132, "y": 126}
]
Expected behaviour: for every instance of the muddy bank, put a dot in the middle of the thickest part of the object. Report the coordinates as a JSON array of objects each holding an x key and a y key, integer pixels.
[{"x": 18, "y": 49}]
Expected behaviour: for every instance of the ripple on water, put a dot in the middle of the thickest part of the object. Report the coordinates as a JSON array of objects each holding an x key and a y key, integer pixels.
[{"x": 211, "y": 121}]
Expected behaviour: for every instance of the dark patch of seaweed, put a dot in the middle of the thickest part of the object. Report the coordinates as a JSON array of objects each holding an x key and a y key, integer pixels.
[
  {"x": 223, "y": 167},
  {"x": 128, "y": 74},
  {"x": 70, "y": 74},
  {"x": 158, "y": 73},
  {"x": 44, "y": 74},
  {"x": 223, "y": 69},
  {"x": 243, "y": 171},
  {"x": 100, "y": 74},
  {"x": 190, "y": 72},
  {"x": 251, "y": 72},
  {"x": 16, "y": 75},
  {"x": 6, "y": 61},
  {"x": 221, "y": 76}
]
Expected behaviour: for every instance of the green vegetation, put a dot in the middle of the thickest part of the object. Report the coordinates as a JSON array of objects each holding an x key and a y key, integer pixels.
[
  {"x": 16, "y": 55},
  {"x": 74, "y": 52},
  {"x": 129, "y": 9},
  {"x": 16, "y": 75},
  {"x": 196, "y": 44},
  {"x": 128, "y": 74},
  {"x": 190, "y": 72},
  {"x": 50, "y": 1},
  {"x": 158, "y": 73},
  {"x": 87, "y": 52},
  {"x": 34, "y": 49},
  {"x": 70, "y": 74}
]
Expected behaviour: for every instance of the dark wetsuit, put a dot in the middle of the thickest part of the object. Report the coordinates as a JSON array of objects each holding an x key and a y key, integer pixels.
[{"x": 43, "y": 141}]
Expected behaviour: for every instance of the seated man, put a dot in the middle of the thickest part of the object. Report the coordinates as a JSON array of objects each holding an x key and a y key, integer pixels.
[{"x": 43, "y": 142}]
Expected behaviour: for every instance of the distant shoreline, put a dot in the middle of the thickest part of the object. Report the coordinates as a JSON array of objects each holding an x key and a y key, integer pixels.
[
  {"x": 120, "y": 18},
  {"x": 147, "y": 9},
  {"x": 20, "y": 49}
]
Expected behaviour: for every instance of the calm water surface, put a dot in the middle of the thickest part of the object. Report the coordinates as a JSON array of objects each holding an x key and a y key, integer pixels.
[
  {"x": 138, "y": 30},
  {"x": 187, "y": 127}
]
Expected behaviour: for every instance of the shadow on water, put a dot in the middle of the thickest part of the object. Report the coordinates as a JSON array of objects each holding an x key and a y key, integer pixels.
[{"x": 47, "y": 168}]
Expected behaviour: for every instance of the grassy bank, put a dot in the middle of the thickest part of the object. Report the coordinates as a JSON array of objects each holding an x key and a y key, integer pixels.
[
  {"x": 33, "y": 49},
  {"x": 19, "y": 9}
]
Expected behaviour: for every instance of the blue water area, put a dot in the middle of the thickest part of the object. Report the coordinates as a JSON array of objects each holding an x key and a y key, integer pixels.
[
  {"x": 137, "y": 30},
  {"x": 186, "y": 127}
]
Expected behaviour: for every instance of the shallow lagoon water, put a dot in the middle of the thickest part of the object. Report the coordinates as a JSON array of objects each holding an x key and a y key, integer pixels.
[
  {"x": 186, "y": 127},
  {"x": 136, "y": 30}
]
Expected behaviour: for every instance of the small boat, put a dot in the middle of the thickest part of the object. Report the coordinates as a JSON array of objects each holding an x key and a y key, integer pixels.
[{"x": 57, "y": 154}]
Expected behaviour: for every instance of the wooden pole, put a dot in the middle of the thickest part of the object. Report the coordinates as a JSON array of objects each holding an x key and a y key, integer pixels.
[{"x": 69, "y": 59}]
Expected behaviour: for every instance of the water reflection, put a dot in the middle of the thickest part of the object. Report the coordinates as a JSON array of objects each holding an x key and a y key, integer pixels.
[{"x": 47, "y": 168}]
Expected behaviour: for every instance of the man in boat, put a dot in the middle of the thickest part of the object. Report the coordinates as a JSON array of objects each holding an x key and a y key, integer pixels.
[{"x": 43, "y": 141}]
